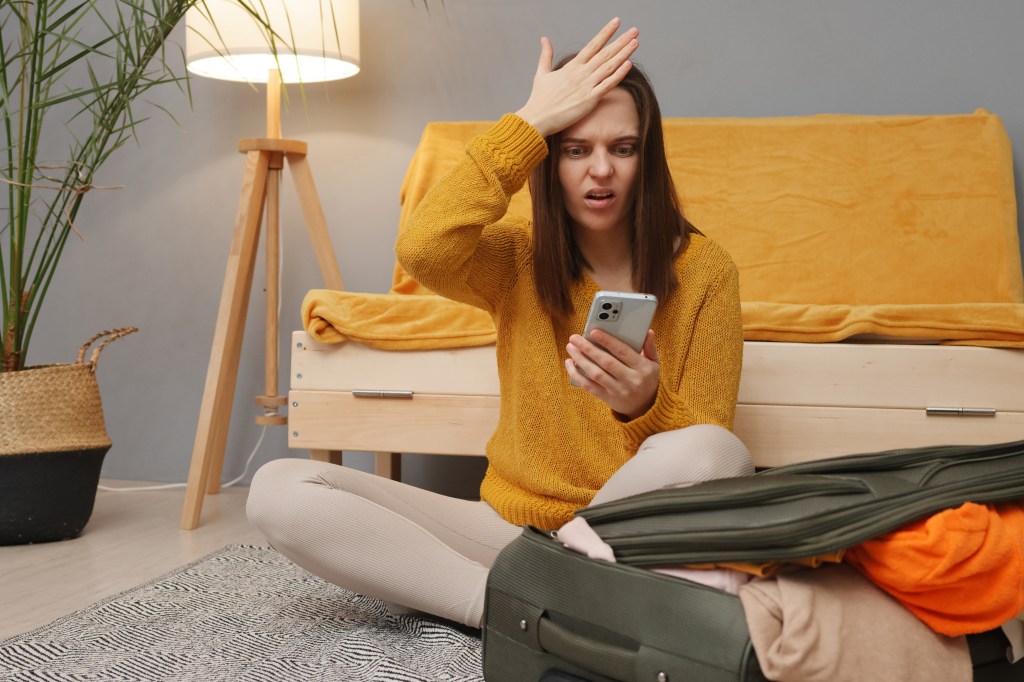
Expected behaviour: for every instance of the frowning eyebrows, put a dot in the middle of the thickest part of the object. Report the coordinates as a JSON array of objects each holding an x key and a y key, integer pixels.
[{"x": 582, "y": 140}]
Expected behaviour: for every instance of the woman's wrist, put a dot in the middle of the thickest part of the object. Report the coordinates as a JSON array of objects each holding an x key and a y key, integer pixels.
[{"x": 537, "y": 121}]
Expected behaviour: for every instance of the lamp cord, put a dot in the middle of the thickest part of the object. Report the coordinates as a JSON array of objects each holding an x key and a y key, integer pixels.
[
  {"x": 166, "y": 486},
  {"x": 263, "y": 432}
]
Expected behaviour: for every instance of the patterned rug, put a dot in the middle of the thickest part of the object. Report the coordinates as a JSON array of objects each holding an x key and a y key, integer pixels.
[{"x": 242, "y": 613}]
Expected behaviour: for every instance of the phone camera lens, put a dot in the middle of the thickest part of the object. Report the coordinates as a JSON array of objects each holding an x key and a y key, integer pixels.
[
  {"x": 606, "y": 306},
  {"x": 603, "y": 316}
]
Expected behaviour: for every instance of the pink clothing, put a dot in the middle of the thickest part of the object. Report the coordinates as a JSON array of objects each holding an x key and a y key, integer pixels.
[{"x": 578, "y": 536}]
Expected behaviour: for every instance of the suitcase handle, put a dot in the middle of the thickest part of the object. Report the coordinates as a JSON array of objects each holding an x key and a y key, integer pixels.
[{"x": 591, "y": 655}]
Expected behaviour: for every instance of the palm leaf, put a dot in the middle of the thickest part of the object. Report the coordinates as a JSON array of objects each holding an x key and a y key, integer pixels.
[{"x": 49, "y": 68}]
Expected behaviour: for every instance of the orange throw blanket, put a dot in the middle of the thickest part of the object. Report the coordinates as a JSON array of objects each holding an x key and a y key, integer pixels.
[
  {"x": 898, "y": 226},
  {"x": 960, "y": 571},
  {"x": 395, "y": 321}
]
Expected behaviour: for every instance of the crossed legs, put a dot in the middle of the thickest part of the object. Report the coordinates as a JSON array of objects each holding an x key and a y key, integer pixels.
[{"x": 428, "y": 551}]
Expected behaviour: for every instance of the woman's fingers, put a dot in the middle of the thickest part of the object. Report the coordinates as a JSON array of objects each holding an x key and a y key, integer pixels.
[
  {"x": 612, "y": 358},
  {"x": 617, "y": 51},
  {"x": 546, "y": 55},
  {"x": 578, "y": 378},
  {"x": 609, "y": 74},
  {"x": 586, "y": 363},
  {"x": 616, "y": 348},
  {"x": 605, "y": 64},
  {"x": 560, "y": 98},
  {"x": 613, "y": 372},
  {"x": 649, "y": 350},
  {"x": 599, "y": 41}
]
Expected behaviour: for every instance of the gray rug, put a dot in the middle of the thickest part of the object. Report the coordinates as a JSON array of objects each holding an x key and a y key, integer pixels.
[{"x": 242, "y": 613}]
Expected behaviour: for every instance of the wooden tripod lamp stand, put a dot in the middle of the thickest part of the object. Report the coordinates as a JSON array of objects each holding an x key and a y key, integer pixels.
[{"x": 297, "y": 41}]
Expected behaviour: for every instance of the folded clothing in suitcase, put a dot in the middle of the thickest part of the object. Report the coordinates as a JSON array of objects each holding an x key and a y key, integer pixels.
[{"x": 551, "y": 610}]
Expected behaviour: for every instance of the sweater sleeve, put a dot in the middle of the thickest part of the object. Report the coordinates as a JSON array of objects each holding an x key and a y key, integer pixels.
[
  {"x": 710, "y": 380},
  {"x": 456, "y": 241}
]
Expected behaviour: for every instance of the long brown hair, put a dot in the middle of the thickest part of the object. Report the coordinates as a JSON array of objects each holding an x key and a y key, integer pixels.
[{"x": 658, "y": 220}]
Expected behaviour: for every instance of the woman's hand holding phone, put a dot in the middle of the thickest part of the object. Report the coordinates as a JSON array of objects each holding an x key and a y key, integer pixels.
[{"x": 615, "y": 373}]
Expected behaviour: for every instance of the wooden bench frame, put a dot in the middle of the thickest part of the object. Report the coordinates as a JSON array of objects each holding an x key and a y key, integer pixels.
[{"x": 797, "y": 401}]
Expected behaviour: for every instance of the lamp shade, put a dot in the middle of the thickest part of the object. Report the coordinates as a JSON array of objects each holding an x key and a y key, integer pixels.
[{"x": 314, "y": 40}]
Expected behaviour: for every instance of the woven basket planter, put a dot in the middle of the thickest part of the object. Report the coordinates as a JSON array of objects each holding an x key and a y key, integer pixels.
[{"x": 52, "y": 442}]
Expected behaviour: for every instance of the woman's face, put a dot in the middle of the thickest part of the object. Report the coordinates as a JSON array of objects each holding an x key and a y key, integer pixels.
[{"x": 597, "y": 164}]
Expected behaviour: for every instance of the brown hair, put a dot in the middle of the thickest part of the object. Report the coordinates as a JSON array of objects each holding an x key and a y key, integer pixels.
[{"x": 658, "y": 220}]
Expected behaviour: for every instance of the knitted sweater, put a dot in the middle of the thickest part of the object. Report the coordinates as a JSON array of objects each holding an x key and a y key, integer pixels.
[{"x": 555, "y": 445}]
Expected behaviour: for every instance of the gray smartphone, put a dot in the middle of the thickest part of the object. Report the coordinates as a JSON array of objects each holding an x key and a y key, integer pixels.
[{"x": 626, "y": 316}]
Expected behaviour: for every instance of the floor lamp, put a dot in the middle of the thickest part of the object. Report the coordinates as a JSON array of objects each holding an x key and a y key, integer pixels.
[{"x": 308, "y": 41}]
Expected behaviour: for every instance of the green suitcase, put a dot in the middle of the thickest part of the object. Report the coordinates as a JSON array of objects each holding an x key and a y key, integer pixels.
[{"x": 552, "y": 611}]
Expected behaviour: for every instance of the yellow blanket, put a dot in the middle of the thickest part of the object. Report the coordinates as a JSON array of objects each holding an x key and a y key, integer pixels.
[
  {"x": 899, "y": 226},
  {"x": 973, "y": 324},
  {"x": 395, "y": 321},
  {"x": 424, "y": 321}
]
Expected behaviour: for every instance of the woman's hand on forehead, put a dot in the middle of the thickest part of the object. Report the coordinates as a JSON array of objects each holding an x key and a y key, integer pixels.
[{"x": 560, "y": 98}]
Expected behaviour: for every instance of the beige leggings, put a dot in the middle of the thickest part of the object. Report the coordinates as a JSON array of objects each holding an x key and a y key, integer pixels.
[{"x": 430, "y": 552}]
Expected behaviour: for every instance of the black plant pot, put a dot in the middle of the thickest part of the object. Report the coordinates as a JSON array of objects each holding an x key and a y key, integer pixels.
[
  {"x": 52, "y": 442},
  {"x": 47, "y": 496}
]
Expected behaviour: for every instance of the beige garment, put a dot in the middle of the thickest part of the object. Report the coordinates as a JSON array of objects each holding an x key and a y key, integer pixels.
[
  {"x": 1014, "y": 631},
  {"x": 430, "y": 552},
  {"x": 378, "y": 537},
  {"x": 833, "y": 625}
]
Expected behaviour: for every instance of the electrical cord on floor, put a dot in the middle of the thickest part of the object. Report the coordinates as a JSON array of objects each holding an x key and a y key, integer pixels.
[{"x": 182, "y": 485}]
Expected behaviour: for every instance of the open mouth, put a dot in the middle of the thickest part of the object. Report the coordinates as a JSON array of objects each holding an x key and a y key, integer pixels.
[{"x": 599, "y": 198}]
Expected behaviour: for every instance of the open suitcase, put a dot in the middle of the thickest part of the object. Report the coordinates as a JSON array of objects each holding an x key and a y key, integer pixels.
[{"x": 553, "y": 614}]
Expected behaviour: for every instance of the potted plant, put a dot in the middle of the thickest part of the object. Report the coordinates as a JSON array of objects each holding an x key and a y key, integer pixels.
[{"x": 69, "y": 70}]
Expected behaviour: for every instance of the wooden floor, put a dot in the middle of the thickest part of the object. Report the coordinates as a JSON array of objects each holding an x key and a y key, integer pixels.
[{"x": 132, "y": 538}]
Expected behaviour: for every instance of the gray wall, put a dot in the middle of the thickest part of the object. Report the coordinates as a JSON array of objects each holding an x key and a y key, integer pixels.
[{"x": 154, "y": 253}]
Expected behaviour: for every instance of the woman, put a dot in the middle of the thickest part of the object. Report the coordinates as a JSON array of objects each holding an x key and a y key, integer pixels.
[{"x": 605, "y": 217}]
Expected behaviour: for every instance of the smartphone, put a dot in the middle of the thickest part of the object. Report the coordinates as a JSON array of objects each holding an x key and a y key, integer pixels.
[{"x": 626, "y": 316}]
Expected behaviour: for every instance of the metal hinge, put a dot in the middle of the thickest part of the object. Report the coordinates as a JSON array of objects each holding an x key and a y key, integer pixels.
[
  {"x": 378, "y": 393},
  {"x": 960, "y": 411}
]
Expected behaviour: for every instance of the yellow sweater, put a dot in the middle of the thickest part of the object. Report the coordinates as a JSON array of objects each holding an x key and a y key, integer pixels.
[{"x": 556, "y": 445}]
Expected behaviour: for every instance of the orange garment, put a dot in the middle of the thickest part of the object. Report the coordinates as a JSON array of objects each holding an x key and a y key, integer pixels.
[{"x": 961, "y": 571}]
